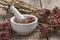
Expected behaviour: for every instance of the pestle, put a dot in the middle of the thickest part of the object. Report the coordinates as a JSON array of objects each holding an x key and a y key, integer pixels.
[{"x": 17, "y": 14}]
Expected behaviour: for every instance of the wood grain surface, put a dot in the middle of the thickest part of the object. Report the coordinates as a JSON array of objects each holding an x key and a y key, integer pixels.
[{"x": 45, "y": 3}]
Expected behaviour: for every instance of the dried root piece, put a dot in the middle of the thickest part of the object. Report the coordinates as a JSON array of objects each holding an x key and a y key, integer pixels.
[
  {"x": 19, "y": 5},
  {"x": 24, "y": 8}
]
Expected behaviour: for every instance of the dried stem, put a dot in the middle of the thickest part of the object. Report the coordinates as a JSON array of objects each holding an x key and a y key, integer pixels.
[
  {"x": 48, "y": 25},
  {"x": 2, "y": 7},
  {"x": 8, "y": 3},
  {"x": 3, "y": 4},
  {"x": 4, "y": 1}
]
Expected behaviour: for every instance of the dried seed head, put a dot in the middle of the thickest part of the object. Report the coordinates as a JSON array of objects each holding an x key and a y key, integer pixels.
[{"x": 6, "y": 7}]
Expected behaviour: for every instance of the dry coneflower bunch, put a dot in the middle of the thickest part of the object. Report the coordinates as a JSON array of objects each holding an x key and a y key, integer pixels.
[
  {"x": 49, "y": 20},
  {"x": 5, "y": 29}
]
